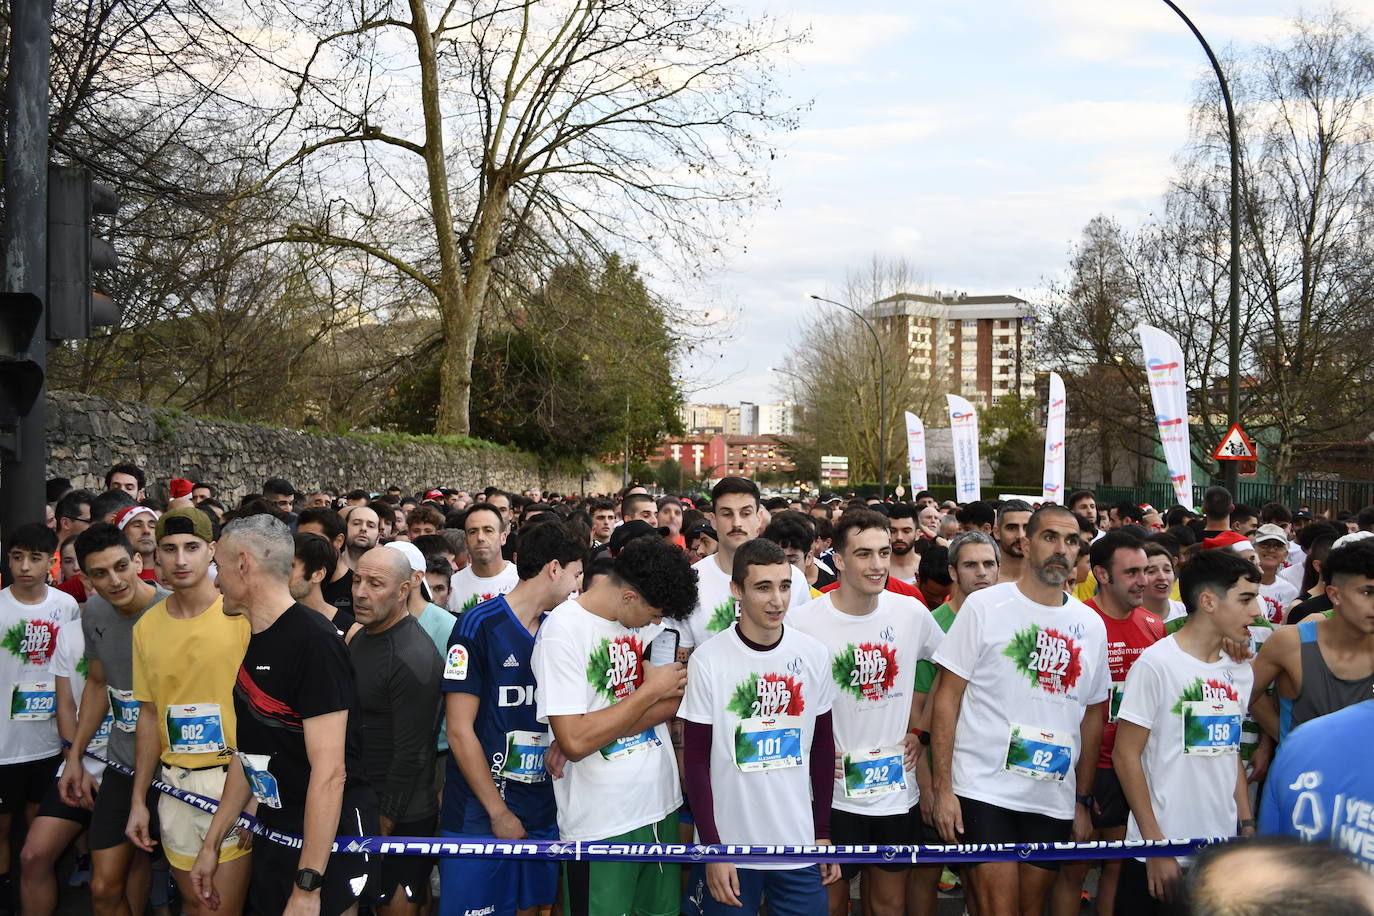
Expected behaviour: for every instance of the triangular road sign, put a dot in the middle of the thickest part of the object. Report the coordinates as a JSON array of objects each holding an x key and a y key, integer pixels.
[{"x": 1235, "y": 446}]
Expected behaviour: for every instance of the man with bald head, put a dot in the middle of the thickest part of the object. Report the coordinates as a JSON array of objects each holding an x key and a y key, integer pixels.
[
  {"x": 398, "y": 674},
  {"x": 1275, "y": 876}
]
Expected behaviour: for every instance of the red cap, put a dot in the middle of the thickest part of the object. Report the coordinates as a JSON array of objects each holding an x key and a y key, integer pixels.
[
  {"x": 434, "y": 495},
  {"x": 1225, "y": 539},
  {"x": 179, "y": 487}
]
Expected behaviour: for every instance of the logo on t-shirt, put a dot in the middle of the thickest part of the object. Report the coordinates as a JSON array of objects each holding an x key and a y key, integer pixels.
[
  {"x": 456, "y": 664},
  {"x": 31, "y": 641},
  {"x": 474, "y": 600},
  {"x": 867, "y": 671},
  {"x": 614, "y": 668},
  {"x": 767, "y": 695},
  {"x": 1210, "y": 690},
  {"x": 1049, "y": 658},
  {"x": 722, "y": 617}
]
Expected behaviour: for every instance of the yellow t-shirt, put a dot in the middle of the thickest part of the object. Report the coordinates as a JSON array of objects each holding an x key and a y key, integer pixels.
[{"x": 188, "y": 669}]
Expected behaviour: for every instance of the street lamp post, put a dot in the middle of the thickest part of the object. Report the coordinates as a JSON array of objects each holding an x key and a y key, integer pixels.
[
  {"x": 882, "y": 393},
  {"x": 799, "y": 378},
  {"x": 1233, "y": 302}
]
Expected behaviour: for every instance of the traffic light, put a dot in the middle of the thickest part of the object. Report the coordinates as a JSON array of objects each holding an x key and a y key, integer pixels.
[
  {"x": 75, "y": 252},
  {"x": 21, "y": 375}
]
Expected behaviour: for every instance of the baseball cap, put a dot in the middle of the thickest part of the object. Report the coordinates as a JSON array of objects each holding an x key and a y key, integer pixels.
[
  {"x": 185, "y": 520},
  {"x": 1302, "y": 514},
  {"x": 1351, "y": 538},
  {"x": 415, "y": 559},
  {"x": 1270, "y": 533},
  {"x": 436, "y": 495},
  {"x": 627, "y": 532}
]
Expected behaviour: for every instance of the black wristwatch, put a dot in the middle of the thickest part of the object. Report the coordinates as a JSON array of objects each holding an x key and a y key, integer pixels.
[
  {"x": 1086, "y": 801},
  {"x": 307, "y": 879}
]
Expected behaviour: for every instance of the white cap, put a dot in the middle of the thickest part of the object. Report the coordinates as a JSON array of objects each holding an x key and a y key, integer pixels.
[
  {"x": 416, "y": 561},
  {"x": 1351, "y": 538}
]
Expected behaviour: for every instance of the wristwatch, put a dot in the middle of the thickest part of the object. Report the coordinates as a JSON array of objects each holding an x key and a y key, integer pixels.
[
  {"x": 1085, "y": 800},
  {"x": 1247, "y": 822},
  {"x": 307, "y": 879}
]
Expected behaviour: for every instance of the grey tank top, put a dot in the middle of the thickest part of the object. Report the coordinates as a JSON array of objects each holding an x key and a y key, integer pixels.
[{"x": 1323, "y": 692}]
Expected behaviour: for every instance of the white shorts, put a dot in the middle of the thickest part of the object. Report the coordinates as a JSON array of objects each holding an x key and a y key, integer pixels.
[{"x": 183, "y": 826}]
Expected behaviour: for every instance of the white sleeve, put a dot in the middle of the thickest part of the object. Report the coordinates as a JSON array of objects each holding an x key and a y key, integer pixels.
[
  {"x": 801, "y": 589},
  {"x": 959, "y": 650},
  {"x": 63, "y": 653},
  {"x": 560, "y": 685},
  {"x": 930, "y": 637},
  {"x": 696, "y": 702},
  {"x": 1100, "y": 690},
  {"x": 1142, "y": 695},
  {"x": 825, "y": 696}
]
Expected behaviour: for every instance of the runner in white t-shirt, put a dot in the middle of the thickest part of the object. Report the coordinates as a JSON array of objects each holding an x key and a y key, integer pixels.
[
  {"x": 1276, "y": 593},
  {"x": 608, "y": 710},
  {"x": 735, "y": 501},
  {"x": 873, "y": 638},
  {"x": 1178, "y": 730},
  {"x": 759, "y": 747},
  {"x": 31, "y": 615},
  {"x": 487, "y": 574},
  {"x": 1017, "y": 716}
]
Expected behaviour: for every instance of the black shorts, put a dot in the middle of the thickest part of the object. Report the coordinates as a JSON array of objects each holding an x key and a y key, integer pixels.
[
  {"x": 410, "y": 873},
  {"x": 1111, "y": 799},
  {"x": 52, "y": 805},
  {"x": 275, "y": 865},
  {"x": 985, "y": 823},
  {"x": 26, "y": 783},
  {"x": 850, "y": 829},
  {"x": 111, "y": 814}
]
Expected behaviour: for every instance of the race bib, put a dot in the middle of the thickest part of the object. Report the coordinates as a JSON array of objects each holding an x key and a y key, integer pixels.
[
  {"x": 768, "y": 743},
  {"x": 525, "y": 756},
  {"x": 124, "y": 708},
  {"x": 33, "y": 701},
  {"x": 1038, "y": 753},
  {"x": 102, "y": 734},
  {"x": 876, "y": 771},
  {"x": 263, "y": 782},
  {"x": 1211, "y": 727},
  {"x": 1114, "y": 706},
  {"x": 634, "y": 744},
  {"x": 194, "y": 728}
]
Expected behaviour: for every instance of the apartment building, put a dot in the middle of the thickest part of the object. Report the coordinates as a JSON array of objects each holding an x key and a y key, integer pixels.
[{"x": 981, "y": 345}]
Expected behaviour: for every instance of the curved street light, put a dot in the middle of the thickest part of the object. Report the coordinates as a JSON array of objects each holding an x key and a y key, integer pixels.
[
  {"x": 882, "y": 393},
  {"x": 1233, "y": 300}
]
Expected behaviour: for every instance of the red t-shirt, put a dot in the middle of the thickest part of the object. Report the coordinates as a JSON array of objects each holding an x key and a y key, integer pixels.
[
  {"x": 1126, "y": 639},
  {"x": 893, "y": 585}
]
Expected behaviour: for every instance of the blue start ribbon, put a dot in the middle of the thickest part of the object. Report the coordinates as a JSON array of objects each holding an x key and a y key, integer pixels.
[{"x": 690, "y": 853}]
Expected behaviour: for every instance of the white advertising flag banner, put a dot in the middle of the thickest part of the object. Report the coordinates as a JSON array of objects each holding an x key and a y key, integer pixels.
[
  {"x": 963, "y": 424},
  {"x": 1052, "y": 490},
  {"x": 1169, "y": 392},
  {"x": 916, "y": 452}
]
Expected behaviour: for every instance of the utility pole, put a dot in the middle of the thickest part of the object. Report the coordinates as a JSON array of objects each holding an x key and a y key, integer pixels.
[{"x": 25, "y": 344}]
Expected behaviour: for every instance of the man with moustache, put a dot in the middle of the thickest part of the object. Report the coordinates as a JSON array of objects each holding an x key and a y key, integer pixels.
[
  {"x": 1010, "y": 532},
  {"x": 905, "y": 559},
  {"x": 362, "y": 530},
  {"x": 1017, "y": 717}
]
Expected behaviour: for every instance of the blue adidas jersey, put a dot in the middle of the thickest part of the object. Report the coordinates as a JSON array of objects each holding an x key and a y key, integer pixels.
[{"x": 489, "y": 656}]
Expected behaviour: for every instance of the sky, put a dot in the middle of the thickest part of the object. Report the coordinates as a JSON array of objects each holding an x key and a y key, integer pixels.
[{"x": 974, "y": 140}]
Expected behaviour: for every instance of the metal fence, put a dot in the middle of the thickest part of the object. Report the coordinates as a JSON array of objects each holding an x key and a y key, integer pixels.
[{"x": 1318, "y": 495}]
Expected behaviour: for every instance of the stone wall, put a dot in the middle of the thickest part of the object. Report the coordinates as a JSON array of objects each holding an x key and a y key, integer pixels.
[{"x": 86, "y": 435}]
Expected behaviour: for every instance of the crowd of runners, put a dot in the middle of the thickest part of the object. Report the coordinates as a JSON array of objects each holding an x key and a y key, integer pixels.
[{"x": 656, "y": 670}]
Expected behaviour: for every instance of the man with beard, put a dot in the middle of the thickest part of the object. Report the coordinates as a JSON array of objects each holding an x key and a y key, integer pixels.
[
  {"x": 1010, "y": 532},
  {"x": 905, "y": 559},
  {"x": 362, "y": 530},
  {"x": 1017, "y": 717},
  {"x": 603, "y": 521}
]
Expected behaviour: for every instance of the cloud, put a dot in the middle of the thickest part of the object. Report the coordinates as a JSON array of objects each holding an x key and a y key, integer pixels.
[
  {"x": 1103, "y": 123},
  {"x": 1119, "y": 33},
  {"x": 845, "y": 38}
]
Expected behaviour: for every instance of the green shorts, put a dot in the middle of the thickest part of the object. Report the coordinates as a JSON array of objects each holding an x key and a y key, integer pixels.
[{"x": 610, "y": 888}]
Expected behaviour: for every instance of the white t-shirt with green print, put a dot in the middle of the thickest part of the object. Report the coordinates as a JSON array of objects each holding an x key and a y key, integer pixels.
[
  {"x": 467, "y": 590},
  {"x": 583, "y": 664}
]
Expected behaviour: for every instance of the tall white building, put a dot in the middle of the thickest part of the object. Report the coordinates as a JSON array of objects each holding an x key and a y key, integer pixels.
[{"x": 777, "y": 419}]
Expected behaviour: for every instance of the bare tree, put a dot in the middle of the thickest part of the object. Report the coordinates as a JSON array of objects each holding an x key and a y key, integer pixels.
[{"x": 529, "y": 130}]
